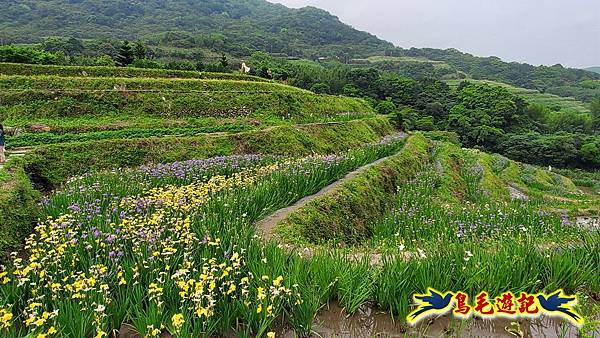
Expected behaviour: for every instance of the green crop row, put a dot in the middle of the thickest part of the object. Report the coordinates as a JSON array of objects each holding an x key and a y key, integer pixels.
[
  {"x": 56, "y": 162},
  {"x": 33, "y": 139},
  {"x": 81, "y": 84},
  {"x": 347, "y": 215},
  {"x": 30, "y": 100},
  {"x": 101, "y": 71},
  {"x": 350, "y": 214}
]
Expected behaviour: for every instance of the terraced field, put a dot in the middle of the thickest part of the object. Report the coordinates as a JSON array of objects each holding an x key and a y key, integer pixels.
[
  {"x": 170, "y": 211},
  {"x": 60, "y": 104}
]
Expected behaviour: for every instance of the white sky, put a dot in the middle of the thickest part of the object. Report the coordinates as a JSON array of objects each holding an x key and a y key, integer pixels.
[{"x": 533, "y": 31}]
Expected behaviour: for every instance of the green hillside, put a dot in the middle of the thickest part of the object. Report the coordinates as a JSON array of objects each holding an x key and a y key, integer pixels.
[
  {"x": 203, "y": 30},
  {"x": 137, "y": 101},
  {"x": 237, "y": 27},
  {"x": 173, "y": 196}
]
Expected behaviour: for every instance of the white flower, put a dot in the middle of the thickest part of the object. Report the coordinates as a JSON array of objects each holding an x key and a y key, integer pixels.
[
  {"x": 421, "y": 253},
  {"x": 401, "y": 247}
]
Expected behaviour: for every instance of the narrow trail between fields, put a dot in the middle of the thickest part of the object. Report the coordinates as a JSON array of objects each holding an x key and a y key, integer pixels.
[{"x": 267, "y": 225}]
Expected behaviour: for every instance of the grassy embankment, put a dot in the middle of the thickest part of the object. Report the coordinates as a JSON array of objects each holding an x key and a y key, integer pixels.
[
  {"x": 440, "y": 216},
  {"x": 116, "y": 72},
  {"x": 92, "y": 118},
  {"x": 59, "y": 105},
  {"x": 49, "y": 166}
]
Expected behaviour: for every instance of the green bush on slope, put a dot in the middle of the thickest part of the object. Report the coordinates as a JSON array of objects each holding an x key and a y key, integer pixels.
[{"x": 18, "y": 205}]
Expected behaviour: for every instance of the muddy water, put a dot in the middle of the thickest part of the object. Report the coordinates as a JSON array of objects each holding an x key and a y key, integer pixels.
[{"x": 367, "y": 322}]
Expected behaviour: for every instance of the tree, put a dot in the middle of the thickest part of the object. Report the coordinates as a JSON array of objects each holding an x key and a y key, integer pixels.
[
  {"x": 365, "y": 80},
  {"x": 74, "y": 47},
  {"x": 17, "y": 54},
  {"x": 401, "y": 90},
  {"x": 385, "y": 107},
  {"x": 104, "y": 60},
  {"x": 408, "y": 117},
  {"x": 320, "y": 88},
  {"x": 350, "y": 90},
  {"x": 484, "y": 113},
  {"x": 125, "y": 55},
  {"x": 591, "y": 154},
  {"x": 139, "y": 50},
  {"x": 425, "y": 123},
  {"x": 224, "y": 62},
  {"x": 595, "y": 109}
]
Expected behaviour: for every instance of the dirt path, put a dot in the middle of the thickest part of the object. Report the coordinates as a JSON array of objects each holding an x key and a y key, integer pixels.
[{"x": 267, "y": 225}]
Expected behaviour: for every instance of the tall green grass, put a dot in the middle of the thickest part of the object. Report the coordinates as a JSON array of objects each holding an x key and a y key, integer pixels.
[{"x": 27, "y": 100}]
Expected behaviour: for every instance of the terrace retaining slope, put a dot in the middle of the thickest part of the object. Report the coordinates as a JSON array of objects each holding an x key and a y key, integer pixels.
[{"x": 267, "y": 225}]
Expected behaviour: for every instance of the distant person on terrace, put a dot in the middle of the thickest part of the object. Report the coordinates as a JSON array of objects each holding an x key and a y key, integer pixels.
[{"x": 2, "y": 157}]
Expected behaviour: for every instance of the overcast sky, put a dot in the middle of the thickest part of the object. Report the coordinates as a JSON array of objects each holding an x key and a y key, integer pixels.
[{"x": 533, "y": 31}]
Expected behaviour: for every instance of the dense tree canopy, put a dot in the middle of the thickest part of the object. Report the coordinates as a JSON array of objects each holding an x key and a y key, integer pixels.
[
  {"x": 236, "y": 27},
  {"x": 483, "y": 113},
  {"x": 17, "y": 54}
]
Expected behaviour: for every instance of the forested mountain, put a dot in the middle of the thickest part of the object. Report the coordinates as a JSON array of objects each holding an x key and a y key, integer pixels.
[
  {"x": 514, "y": 73},
  {"x": 191, "y": 30},
  {"x": 237, "y": 26}
]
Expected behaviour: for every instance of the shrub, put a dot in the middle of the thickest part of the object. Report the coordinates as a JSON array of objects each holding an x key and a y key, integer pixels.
[
  {"x": 320, "y": 88},
  {"x": 18, "y": 54},
  {"x": 385, "y": 107}
]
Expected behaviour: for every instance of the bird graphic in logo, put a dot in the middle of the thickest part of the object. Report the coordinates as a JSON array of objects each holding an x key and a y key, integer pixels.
[
  {"x": 561, "y": 305},
  {"x": 432, "y": 302}
]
